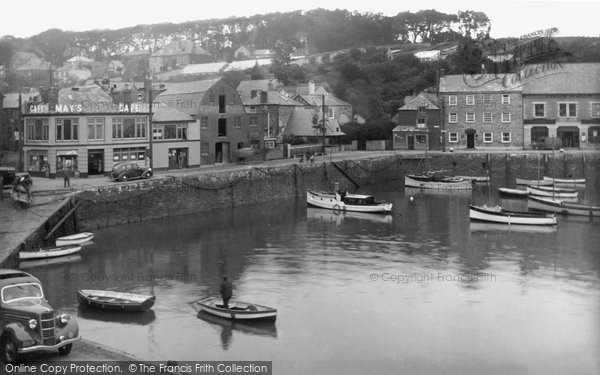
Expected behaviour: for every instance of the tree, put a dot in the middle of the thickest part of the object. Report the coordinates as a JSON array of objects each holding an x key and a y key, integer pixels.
[{"x": 475, "y": 25}]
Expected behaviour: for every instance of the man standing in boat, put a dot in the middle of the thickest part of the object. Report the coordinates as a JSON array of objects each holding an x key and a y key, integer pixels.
[{"x": 226, "y": 290}]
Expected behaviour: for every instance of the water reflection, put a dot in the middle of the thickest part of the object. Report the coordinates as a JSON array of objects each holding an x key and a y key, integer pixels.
[
  {"x": 139, "y": 318},
  {"x": 337, "y": 217},
  {"x": 317, "y": 270},
  {"x": 497, "y": 227},
  {"x": 227, "y": 327}
]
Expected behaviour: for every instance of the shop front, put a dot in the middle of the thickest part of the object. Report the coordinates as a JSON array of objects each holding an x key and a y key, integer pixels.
[
  {"x": 37, "y": 163},
  {"x": 67, "y": 160}
]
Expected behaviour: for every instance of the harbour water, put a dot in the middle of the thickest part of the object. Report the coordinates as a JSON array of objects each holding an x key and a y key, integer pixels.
[{"x": 420, "y": 291}]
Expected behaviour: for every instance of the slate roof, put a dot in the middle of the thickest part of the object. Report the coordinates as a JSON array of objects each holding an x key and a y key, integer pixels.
[
  {"x": 186, "y": 96},
  {"x": 180, "y": 47},
  {"x": 192, "y": 87},
  {"x": 245, "y": 88},
  {"x": 412, "y": 103},
  {"x": 479, "y": 83},
  {"x": 569, "y": 79},
  {"x": 274, "y": 98},
  {"x": 300, "y": 124},
  {"x": 317, "y": 100},
  {"x": 247, "y": 64},
  {"x": 170, "y": 114},
  {"x": 79, "y": 59},
  {"x": 83, "y": 94},
  {"x": 207, "y": 68},
  {"x": 11, "y": 99}
]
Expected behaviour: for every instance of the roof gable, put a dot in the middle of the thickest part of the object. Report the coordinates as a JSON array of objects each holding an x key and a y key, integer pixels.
[{"x": 422, "y": 100}]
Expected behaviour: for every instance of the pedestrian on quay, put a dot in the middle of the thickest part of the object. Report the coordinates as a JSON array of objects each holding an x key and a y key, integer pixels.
[
  {"x": 67, "y": 176},
  {"x": 226, "y": 290}
]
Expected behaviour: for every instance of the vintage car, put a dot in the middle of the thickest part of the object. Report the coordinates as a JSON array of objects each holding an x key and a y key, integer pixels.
[
  {"x": 129, "y": 170},
  {"x": 28, "y": 323}
]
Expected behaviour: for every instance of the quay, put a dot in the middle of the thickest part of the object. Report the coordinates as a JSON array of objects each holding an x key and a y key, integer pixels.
[{"x": 98, "y": 202}]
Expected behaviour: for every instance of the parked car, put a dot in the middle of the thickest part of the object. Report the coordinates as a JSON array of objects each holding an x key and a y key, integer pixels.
[
  {"x": 130, "y": 170},
  {"x": 28, "y": 323}
]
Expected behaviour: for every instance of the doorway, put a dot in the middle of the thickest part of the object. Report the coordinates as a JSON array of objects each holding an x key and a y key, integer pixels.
[
  {"x": 470, "y": 138},
  {"x": 222, "y": 152},
  {"x": 95, "y": 162},
  {"x": 411, "y": 142},
  {"x": 178, "y": 158},
  {"x": 569, "y": 136}
]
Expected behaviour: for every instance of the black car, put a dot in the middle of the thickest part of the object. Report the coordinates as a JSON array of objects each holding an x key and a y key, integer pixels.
[{"x": 129, "y": 171}]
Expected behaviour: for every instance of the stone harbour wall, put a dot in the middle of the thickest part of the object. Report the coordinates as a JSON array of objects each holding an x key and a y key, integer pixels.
[{"x": 170, "y": 196}]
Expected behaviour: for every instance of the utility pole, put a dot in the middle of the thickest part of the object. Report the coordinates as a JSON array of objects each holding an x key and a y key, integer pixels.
[
  {"x": 150, "y": 125},
  {"x": 323, "y": 114},
  {"x": 21, "y": 137}
]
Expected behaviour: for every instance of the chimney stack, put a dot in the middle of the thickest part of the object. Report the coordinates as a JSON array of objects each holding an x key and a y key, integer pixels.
[{"x": 311, "y": 87}]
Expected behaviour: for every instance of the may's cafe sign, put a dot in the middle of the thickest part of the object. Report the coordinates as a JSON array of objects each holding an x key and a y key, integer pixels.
[{"x": 89, "y": 107}]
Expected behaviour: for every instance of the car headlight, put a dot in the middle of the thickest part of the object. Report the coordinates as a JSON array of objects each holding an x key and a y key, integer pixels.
[
  {"x": 32, "y": 324},
  {"x": 64, "y": 318}
]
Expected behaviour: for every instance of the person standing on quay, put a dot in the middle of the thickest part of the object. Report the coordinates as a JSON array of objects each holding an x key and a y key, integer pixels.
[
  {"x": 226, "y": 290},
  {"x": 66, "y": 176}
]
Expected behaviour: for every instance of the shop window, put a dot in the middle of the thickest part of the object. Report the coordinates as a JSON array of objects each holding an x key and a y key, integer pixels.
[{"x": 129, "y": 127}]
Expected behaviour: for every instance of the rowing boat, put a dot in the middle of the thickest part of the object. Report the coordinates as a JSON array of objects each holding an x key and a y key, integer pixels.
[
  {"x": 236, "y": 310},
  {"x": 50, "y": 252},
  {"x": 562, "y": 207},
  {"x": 499, "y": 215},
  {"x": 115, "y": 301}
]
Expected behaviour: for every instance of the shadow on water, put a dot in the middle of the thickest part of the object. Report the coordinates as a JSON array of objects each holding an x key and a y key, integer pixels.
[
  {"x": 138, "y": 318},
  {"x": 226, "y": 328}
]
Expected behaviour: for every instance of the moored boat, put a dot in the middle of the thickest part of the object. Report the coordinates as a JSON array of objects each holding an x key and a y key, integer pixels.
[
  {"x": 565, "y": 181},
  {"x": 431, "y": 181},
  {"x": 513, "y": 192},
  {"x": 570, "y": 196},
  {"x": 50, "y": 252},
  {"x": 347, "y": 202},
  {"x": 115, "y": 301},
  {"x": 562, "y": 207},
  {"x": 556, "y": 189},
  {"x": 75, "y": 239},
  {"x": 522, "y": 181},
  {"x": 499, "y": 215},
  {"x": 237, "y": 310},
  {"x": 476, "y": 179}
]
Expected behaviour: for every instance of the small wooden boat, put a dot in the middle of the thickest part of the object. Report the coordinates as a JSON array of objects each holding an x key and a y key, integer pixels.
[
  {"x": 555, "y": 189},
  {"x": 561, "y": 207},
  {"x": 50, "y": 252},
  {"x": 347, "y": 202},
  {"x": 499, "y": 215},
  {"x": 237, "y": 310},
  {"x": 570, "y": 196},
  {"x": 249, "y": 327},
  {"x": 513, "y": 192},
  {"x": 476, "y": 179},
  {"x": 521, "y": 181},
  {"x": 431, "y": 181},
  {"x": 565, "y": 181},
  {"x": 75, "y": 239},
  {"x": 115, "y": 301},
  {"x": 47, "y": 262}
]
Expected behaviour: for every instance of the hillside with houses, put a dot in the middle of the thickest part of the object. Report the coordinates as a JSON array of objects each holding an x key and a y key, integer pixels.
[{"x": 221, "y": 90}]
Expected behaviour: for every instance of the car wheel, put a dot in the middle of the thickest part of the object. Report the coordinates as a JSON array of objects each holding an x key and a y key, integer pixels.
[
  {"x": 9, "y": 349},
  {"x": 124, "y": 177},
  {"x": 148, "y": 175},
  {"x": 65, "y": 350}
]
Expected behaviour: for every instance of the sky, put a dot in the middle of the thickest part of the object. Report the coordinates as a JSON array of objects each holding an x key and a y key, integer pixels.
[{"x": 508, "y": 18}]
